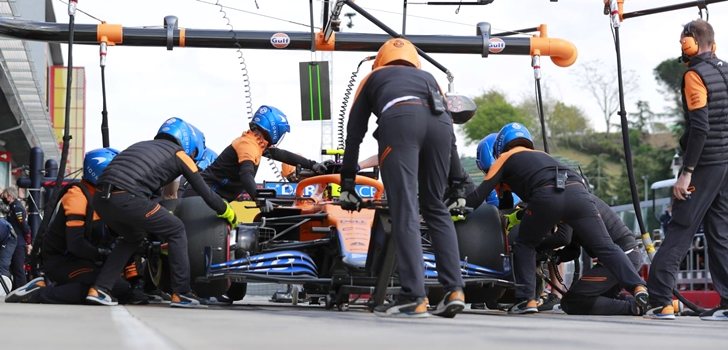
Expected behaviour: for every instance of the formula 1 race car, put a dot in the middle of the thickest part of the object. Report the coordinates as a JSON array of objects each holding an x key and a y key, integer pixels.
[{"x": 337, "y": 256}]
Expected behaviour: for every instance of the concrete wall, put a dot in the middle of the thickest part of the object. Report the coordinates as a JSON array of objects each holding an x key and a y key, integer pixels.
[{"x": 38, "y": 51}]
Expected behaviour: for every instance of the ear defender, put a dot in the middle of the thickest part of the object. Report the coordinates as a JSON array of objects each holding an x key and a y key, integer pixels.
[
  {"x": 688, "y": 43},
  {"x": 690, "y": 46}
]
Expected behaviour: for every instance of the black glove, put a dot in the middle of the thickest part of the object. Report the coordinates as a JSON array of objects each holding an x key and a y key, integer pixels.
[
  {"x": 104, "y": 251},
  {"x": 566, "y": 254},
  {"x": 457, "y": 196},
  {"x": 265, "y": 205},
  {"x": 348, "y": 198},
  {"x": 319, "y": 168}
]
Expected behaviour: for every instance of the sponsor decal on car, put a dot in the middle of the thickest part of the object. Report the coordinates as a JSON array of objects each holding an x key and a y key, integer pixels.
[{"x": 288, "y": 189}]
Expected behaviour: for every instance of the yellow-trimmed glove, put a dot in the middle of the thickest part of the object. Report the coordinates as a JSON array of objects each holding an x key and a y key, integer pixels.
[
  {"x": 513, "y": 218},
  {"x": 229, "y": 215}
]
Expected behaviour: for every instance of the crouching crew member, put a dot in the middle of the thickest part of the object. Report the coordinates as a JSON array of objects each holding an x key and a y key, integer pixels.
[
  {"x": 554, "y": 194},
  {"x": 597, "y": 292},
  {"x": 75, "y": 244},
  {"x": 123, "y": 203}
]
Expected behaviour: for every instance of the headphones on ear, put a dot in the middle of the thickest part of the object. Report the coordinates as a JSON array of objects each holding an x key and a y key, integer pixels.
[{"x": 688, "y": 43}]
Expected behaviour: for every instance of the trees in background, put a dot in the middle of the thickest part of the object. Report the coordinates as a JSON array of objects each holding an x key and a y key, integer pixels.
[
  {"x": 601, "y": 81},
  {"x": 494, "y": 111},
  {"x": 669, "y": 75},
  {"x": 601, "y": 154}
]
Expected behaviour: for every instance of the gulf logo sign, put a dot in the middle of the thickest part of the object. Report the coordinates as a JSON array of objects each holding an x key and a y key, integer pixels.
[
  {"x": 496, "y": 45},
  {"x": 280, "y": 40}
]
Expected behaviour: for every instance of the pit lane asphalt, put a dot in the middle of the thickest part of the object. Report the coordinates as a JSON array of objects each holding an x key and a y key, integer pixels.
[{"x": 258, "y": 324}]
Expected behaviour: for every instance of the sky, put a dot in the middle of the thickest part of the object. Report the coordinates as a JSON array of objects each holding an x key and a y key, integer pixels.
[{"x": 146, "y": 85}]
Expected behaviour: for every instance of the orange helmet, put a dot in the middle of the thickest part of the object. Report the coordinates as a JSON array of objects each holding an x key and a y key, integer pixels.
[{"x": 396, "y": 49}]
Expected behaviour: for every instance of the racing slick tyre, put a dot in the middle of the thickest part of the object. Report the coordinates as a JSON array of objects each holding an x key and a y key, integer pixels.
[
  {"x": 157, "y": 264},
  {"x": 204, "y": 229},
  {"x": 481, "y": 242},
  {"x": 237, "y": 291}
]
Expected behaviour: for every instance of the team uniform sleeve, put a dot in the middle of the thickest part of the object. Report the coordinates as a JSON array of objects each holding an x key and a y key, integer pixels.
[
  {"x": 477, "y": 197},
  {"x": 457, "y": 172},
  {"x": 192, "y": 174},
  {"x": 696, "y": 98},
  {"x": 74, "y": 205},
  {"x": 246, "y": 148},
  {"x": 287, "y": 157},
  {"x": 22, "y": 217},
  {"x": 246, "y": 173}
]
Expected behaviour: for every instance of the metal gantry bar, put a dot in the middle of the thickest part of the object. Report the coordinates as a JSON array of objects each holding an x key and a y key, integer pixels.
[
  {"x": 562, "y": 52},
  {"x": 652, "y": 11}
]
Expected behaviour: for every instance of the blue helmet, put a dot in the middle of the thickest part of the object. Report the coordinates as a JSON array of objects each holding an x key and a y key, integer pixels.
[
  {"x": 272, "y": 122},
  {"x": 96, "y": 161},
  {"x": 199, "y": 142},
  {"x": 208, "y": 156},
  {"x": 484, "y": 158},
  {"x": 512, "y": 132},
  {"x": 181, "y": 132}
]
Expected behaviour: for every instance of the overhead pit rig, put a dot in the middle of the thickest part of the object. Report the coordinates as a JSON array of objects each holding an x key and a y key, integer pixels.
[{"x": 562, "y": 52}]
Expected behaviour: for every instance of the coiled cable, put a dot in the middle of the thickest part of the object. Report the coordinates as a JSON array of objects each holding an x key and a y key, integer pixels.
[
  {"x": 247, "y": 94},
  {"x": 345, "y": 102}
]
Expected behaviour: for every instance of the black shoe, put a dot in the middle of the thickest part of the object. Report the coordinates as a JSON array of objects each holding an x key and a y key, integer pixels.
[
  {"x": 135, "y": 296},
  {"x": 641, "y": 296},
  {"x": 25, "y": 293},
  {"x": 404, "y": 307},
  {"x": 634, "y": 307},
  {"x": 550, "y": 303},
  {"x": 187, "y": 300},
  {"x": 451, "y": 304},
  {"x": 719, "y": 313},
  {"x": 478, "y": 306},
  {"x": 100, "y": 296},
  {"x": 158, "y": 296},
  {"x": 224, "y": 300},
  {"x": 524, "y": 307}
]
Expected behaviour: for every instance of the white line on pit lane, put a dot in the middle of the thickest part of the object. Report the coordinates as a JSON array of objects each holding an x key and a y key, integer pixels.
[{"x": 135, "y": 333}]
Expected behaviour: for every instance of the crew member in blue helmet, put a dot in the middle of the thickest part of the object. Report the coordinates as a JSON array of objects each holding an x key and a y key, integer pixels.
[
  {"x": 554, "y": 194},
  {"x": 123, "y": 203},
  {"x": 233, "y": 172},
  {"x": 75, "y": 244},
  {"x": 501, "y": 196},
  {"x": 208, "y": 157}
]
